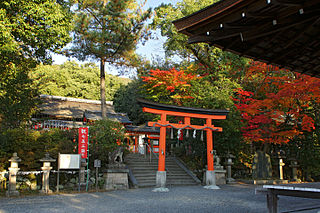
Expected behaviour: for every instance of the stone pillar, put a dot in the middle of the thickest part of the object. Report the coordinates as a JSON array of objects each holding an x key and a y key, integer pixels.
[
  {"x": 2, "y": 180},
  {"x": 82, "y": 171},
  {"x": 13, "y": 169},
  {"x": 229, "y": 164},
  {"x": 161, "y": 176},
  {"x": 294, "y": 165},
  {"x": 281, "y": 164},
  {"x": 210, "y": 173},
  {"x": 46, "y": 173}
]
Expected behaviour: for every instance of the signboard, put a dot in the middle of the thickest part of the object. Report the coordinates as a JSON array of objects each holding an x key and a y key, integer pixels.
[
  {"x": 83, "y": 142},
  {"x": 97, "y": 163},
  {"x": 69, "y": 161}
]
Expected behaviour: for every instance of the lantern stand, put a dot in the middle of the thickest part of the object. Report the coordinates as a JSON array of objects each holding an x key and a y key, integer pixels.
[
  {"x": 13, "y": 170},
  {"x": 47, "y": 160}
]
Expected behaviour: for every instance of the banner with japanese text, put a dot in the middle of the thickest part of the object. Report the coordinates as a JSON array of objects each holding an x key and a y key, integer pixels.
[{"x": 83, "y": 142}]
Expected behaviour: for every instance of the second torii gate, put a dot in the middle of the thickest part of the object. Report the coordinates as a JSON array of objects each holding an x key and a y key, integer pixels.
[{"x": 187, "y": 113}]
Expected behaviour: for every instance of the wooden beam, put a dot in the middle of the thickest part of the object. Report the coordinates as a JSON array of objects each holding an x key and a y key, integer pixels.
[
  {"x": 288, "y": 3},
  {"x": 255, "y": 45},
  {"x": 185, "y": 126},
  {"x": 268, "y": 31},
  {"x": 276, "y": 58},
  {"x": 183, "y": 114}
]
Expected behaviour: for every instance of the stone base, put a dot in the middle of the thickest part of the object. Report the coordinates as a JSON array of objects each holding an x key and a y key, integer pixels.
[
  {"x": 263, "y": 182},
  {"x": 220, "y": 176},
  {"x": 161, "y": 189},
  {"x": 211, "y": 180},
  {"x": 14, "y": 193},
  {"x": 211, "y": 187},
  {"x": 161, "y": 179},
  {"x": 295, "y": 180},
  {"x": 44, "y": 192},
  {"x": 231, "y": 180},
  {"x": 116, "y": 179}
]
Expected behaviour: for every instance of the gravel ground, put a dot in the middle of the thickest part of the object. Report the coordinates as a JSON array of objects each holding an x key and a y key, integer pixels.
[{"x": 235, "y": 198}]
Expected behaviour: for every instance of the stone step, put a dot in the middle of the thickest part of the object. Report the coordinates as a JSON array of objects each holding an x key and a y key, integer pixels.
[
  {"x": 146, "y": 178},
  {"x": 169, "y": 168},
  {"x": 138, "y": 175},
  {"x": 168, "y": 183},
  {"x": 145, "y": 171},
  {"x": 147, "y": 184},
  {"x": 172, "y": 165}
]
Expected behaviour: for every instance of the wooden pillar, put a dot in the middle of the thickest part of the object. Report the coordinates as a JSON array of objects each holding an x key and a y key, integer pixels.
[
  {"x": 209, "y": 146},
  {"x": 162, "y": 144},
  {"x": 272, "y": 201},
  {"x": 187, "y": 120},
  {"x": 136, "y": 143}
]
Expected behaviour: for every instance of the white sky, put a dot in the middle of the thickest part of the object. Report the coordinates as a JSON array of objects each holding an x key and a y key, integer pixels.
[{"x": 152, "y": 48}]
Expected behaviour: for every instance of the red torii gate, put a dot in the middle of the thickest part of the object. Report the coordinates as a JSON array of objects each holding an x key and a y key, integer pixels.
[{"x": 187, "y": 113}]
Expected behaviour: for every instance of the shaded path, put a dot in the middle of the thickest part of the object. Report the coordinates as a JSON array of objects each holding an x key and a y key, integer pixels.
[{"x": 236, "y": 198}]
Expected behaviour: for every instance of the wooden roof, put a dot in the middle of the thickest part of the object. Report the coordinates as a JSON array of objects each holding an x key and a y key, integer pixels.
[
  {"x": 62, "y": 107},
  {"x": 285, "y": 33},
  {"x": 174, "y": 108},
  {"x": 74, "y": 108}
]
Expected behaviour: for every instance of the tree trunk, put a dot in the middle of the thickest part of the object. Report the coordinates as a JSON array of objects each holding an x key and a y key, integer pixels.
[{"x": 103, "y": 89}]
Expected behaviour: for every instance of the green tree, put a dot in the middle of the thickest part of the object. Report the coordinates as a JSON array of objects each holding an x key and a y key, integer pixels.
[
  {"x": 105, "y": 136},
  {"x": 73, "y": 80},
  {"x": 177, "y": 43},
  {"x": 31, "y": 145},
  {"x": 108, "y": 31},
  {"x": 125, "y": 101},
  {"x": 29, "y": 31}
]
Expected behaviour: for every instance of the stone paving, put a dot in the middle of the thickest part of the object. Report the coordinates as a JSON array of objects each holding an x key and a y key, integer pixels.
[{"x": 235, "y": 198}]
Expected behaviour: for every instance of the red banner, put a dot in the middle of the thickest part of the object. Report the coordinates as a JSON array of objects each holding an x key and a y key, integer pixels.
[{"x": 83, "y": 142}]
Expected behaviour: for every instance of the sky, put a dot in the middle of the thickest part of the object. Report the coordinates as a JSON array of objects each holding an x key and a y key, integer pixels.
[{"x": 152, "y": 48}]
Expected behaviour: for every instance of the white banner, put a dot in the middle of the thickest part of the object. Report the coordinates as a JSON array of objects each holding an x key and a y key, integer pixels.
[{"x": 69, "y": 161}]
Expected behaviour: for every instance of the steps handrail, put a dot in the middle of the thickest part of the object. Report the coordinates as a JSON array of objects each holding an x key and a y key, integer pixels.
[
  {"x": 157, "y": 157},
  {"x": 132, "y": 178},
  {"x": 183, "y": 166},
  {"x": 152, "y": 151}
]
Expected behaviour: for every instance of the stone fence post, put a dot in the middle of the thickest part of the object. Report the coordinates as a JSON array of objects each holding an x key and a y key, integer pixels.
[
  {"x": 13, "y": 170},
  {"x": 229, "y": 164},
  {"x": 46, "y": 172},
  {"x": 294, "y": 166}
]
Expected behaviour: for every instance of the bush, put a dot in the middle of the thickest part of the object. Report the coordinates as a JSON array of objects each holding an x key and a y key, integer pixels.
[
  {"x": 31, "y": 146},
  {"x": 104, "y": 135}
]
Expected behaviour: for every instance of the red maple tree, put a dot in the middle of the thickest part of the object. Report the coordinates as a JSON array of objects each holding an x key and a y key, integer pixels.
[
  {"x": 281, "y": 106},
  {"x": 171, "y": 85}
]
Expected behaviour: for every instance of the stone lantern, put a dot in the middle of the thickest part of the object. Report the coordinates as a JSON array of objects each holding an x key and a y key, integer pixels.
[
  {"x": 280, "y": 156},
  {"x": 13, "y": 170},
  {"x": 229, "y": 164},
  {"x": 46, "y": 172},
  {"x": 294, "y": 165}
]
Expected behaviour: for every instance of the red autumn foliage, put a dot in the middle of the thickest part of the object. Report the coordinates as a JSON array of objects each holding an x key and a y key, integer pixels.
[
  {"x": 171, "y": 83},
  {"x": 279, "y": 110}
]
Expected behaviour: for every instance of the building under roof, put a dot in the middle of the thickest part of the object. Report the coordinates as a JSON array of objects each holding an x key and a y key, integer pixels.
[
  {"x": 57, "y": 111},
  {"x": 285, "y": 33}
]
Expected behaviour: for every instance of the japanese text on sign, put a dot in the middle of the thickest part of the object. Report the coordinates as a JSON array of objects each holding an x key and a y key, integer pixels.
[{"x": 83, "y": 142}]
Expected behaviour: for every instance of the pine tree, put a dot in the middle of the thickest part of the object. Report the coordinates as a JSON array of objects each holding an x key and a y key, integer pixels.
[{"x": 108, "y": 31}]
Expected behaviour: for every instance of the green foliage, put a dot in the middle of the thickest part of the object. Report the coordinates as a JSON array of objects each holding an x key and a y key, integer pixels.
[
  {"x": 104, "y": 135},
  {"x": 108, "y": 31},
  {"x": 25, "y": 31},
  {"x": 29, "y": 31},
  {"x": 31, "y": 146},
  {"x": 73, "y": 80},
  {"x": 18, "y": 97},
  {"x": 125, "y": 101},
  {"x": 176, "y": 44}
]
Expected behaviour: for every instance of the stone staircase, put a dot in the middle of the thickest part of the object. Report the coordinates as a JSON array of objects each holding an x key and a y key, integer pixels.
[{"x": 145, "y": 171}]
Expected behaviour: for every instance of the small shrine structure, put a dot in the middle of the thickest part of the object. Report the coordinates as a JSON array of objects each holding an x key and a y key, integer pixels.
[{"x": 187, "y": 113}]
